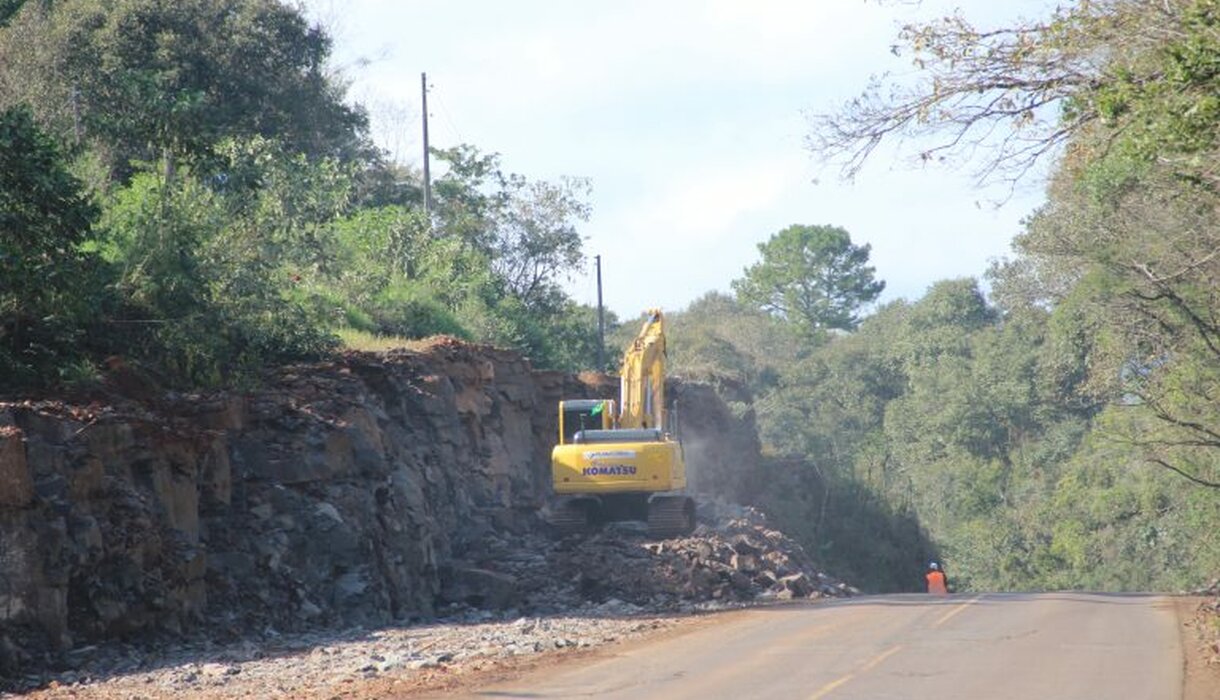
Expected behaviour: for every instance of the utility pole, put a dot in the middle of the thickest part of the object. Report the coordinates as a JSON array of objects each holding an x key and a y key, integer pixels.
[
  {"x": 601, "y": 320},
  {"x": 423, "y": 86}
]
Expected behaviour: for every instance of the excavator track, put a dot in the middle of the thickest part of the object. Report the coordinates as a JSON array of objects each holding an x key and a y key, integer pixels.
[
  {"x": 671, "y": 516},
  {"x": 570, "y": 517}
]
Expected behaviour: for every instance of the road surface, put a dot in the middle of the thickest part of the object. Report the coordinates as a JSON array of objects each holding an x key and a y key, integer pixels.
[{"x": 1052, "y": 646}]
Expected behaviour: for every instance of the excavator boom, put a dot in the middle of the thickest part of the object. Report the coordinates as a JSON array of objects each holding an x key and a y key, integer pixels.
[{"x": 642, "y": 377}]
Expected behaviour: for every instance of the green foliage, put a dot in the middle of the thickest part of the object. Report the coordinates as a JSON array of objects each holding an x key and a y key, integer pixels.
[
  {"x": 944, "y": 428},
  {"x": 515, "y": 240},
  {"x": 716, "y": 338},
  {"x": 1037, "y": 443},
  {"x": 46, "y": 277},
  {"x": 1137, "y": 324},
  {"x": 219, "y": 277},
  {"x": 846, "y": 526},
  {"x": 1116, "y": 527},
  {"x": 8, "y": 8},
  {"x": 812, "y": 277},
  {"x": 144, "y": 80},
  {"x": 411, "y": 310},
  {"x": 571, "y": 339},
  {"x": 247, "y": 219},
  {"x": 1164, "y": 98},
  {"x": 526, "y": 229},
  {"x": 1106, "y": 361}
]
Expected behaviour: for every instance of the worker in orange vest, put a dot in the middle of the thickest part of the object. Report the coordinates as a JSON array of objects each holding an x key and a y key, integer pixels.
[{"x": 937, "y": 583}]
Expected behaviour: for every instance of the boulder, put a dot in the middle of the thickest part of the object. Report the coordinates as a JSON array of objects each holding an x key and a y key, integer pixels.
[{"x": 480, "y": 588}]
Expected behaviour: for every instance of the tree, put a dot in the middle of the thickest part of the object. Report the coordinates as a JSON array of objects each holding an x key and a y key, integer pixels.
[
  {"x": 220, "y": 275},
  {"x": 1125, "y": 251},
  {"x": 8, "y": 8},
  {"x": 718, "y": 339},
  {"x": 151, "y": 81},
  {"x": 521, "y": 240},
  {"x": 45, "y": 217},
  {"x": 1142, "y": 247},
  {"x": 813, "y": 277},
  {"x": 527, "y": 229},
  {"x": 1007, "y": 97}
]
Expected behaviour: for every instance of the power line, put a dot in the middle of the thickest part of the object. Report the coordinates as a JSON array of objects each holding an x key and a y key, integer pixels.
[{"x": 449, "y": 120}]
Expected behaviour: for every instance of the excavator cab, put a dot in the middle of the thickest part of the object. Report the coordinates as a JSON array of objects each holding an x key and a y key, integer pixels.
[{"x": 576, "y": 415}]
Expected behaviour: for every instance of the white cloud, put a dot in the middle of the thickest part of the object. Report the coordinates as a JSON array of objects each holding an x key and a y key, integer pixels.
[
  {"x": 686, "y": 115},
  {"x": 690, "y": 236},
  {"x": 706, "y": 205}
]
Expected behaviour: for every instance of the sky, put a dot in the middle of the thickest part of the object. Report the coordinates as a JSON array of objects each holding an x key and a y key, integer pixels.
[{"x": 689, "y": 118}]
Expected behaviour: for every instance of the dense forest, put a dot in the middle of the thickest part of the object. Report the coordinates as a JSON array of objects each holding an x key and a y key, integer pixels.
[{"x": 186, "y": 186}]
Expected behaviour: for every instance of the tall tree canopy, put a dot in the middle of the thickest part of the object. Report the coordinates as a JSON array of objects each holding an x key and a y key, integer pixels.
[
  {"x": 245, "y": 217},
  {"x": 45, "y": 216},
  {"x": 812, "y": 276},
  {"x": 144, "y": 80}
]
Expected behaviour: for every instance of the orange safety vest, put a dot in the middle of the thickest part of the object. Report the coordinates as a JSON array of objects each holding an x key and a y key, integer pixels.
[{"x": 936, "y": 583}]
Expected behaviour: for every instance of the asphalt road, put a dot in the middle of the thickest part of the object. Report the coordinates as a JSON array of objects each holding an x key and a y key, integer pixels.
[{"x": 1052, "y": 646}]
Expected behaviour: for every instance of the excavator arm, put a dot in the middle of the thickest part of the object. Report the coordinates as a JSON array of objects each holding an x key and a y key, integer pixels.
[{"x": 642, "y": 377}]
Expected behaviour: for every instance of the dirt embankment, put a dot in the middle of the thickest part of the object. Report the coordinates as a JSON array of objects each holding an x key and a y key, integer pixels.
[
  {"x": 367, "y": 491},
  {"x": 1199, "y": 615}
]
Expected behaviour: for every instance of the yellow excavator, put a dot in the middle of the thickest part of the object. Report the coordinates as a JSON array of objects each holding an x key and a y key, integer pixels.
[{"x": 623, "y": 462}]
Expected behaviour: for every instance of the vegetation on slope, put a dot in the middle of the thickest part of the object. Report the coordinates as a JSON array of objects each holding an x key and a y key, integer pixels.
[{"x": 210, "y": 203}]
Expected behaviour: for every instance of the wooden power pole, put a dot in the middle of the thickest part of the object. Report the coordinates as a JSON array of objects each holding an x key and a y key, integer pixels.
[
  {"x": 423, "y": 86},
  {"x": 601, "y": 320}
]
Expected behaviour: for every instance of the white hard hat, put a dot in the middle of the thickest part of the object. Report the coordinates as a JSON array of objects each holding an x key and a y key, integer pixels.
[{"x": 933, "y": 565}]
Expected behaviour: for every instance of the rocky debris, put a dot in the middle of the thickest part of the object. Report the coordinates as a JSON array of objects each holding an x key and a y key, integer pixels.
[
  {"x": 733, "y": 557},
  {"x": 320, "y": 664},
  {"x": 509, "y": 596}
]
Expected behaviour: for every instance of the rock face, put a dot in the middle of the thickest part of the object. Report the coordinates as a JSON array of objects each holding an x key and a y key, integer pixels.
[{"x": 348, "y": 491}]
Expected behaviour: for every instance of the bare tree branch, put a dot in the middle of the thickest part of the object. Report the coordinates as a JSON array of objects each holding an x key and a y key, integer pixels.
[
  {"x": 1192, "y": 477},
  {"x": 1032, "y": 83}
]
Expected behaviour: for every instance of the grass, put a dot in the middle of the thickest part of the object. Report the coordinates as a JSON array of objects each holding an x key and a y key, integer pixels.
[{"x": 353, "y": 339}]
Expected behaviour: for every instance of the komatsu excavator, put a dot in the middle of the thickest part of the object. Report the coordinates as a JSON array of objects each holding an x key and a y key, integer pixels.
[{"x": 624, "y": 465}]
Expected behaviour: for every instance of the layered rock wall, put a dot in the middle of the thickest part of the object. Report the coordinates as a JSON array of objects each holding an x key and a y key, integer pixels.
[{"x": 338, "y": 493}]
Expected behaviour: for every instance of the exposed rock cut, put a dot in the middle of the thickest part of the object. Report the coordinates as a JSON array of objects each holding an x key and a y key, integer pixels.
[{"x": 364, "y": 490}]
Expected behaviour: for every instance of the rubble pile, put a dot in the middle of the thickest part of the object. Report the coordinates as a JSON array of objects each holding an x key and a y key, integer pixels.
[{"x": 732, "y": 557}]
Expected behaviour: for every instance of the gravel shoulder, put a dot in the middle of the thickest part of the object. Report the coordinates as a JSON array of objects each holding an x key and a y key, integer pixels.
[
  {"x": 1199, "y": 623},
  {"x": 391, "y": 662}
]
